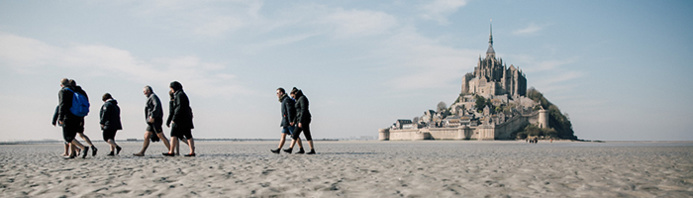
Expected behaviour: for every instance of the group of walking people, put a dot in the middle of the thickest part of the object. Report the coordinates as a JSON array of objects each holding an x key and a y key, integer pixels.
[
  {"x": 73, "y": 106},
  {"x": 295, "y": 119}
]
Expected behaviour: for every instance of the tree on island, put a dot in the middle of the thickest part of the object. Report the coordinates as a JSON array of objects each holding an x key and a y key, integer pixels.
[{"x": 558, "y": 121}]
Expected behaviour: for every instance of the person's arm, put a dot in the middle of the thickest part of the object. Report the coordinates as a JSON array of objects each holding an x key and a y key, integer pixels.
[{"x": 55, "y": 115}]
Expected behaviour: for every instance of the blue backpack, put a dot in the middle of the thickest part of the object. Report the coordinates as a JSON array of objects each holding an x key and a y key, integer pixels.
[{"x": 80, "y": 104}]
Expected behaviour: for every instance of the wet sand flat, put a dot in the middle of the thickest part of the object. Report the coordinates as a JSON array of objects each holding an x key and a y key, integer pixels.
[{"x": 357, "y": 169}]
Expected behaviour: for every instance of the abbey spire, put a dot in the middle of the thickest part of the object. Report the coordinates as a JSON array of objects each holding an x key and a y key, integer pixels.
[{"x": 490, "y": 53}]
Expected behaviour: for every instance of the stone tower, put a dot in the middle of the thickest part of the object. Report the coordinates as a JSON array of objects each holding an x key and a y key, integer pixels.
[{"x": 543, "y": 121}]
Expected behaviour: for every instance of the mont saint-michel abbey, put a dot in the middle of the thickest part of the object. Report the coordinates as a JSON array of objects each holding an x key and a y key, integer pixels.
[{"x": 492, "y": 105}]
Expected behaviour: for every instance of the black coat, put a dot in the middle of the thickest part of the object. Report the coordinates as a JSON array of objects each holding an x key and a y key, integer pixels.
[
  {"x": 288, "y": 111},
  {"x": 302, "y": 112},
  {"x": 182, "y": 113},
  {"x": 110, "y": 115},
  {"x": 153, "y": 108}
]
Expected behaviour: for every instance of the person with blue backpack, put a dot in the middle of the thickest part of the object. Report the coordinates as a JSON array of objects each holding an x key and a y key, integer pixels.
[
  {"x": 73, "y": 105},
  {"x": 82, "y": 110}
]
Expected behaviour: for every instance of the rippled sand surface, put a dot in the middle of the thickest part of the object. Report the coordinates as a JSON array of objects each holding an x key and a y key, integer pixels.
[{"x": 357, "y": 169}]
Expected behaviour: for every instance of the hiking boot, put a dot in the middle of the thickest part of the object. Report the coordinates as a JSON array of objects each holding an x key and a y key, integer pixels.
[
  {"x": 301, "y": 151},
  {"x": 93, "y": 151},
  {"x": 288, "y": 150},
  {"x": 312, "y": 152},
  {"x": 84, "y": 152},
  {"x": 275, "y": 151},
  {"x": 118, "y": 148}
]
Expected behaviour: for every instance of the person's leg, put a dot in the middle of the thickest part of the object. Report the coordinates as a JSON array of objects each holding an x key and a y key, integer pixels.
[
  {"x": 85, "y": 138},
  {"x": 67, "y": 150},
  {"x": 191, "y": 145},
  {"x": 114, "y": 146},
  {"x": 174, "y": 144},
  {"x": 145, "y": 144},
  {"x": 83, "y": 149},
  {"x": 164, "y": 140},
  {"x": 309, "y": 137},
  {"x": 294, "y": 139}
]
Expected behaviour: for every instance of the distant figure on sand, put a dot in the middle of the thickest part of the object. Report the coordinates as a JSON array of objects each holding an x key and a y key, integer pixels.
[
  {"x": 153, "y": 115},
  {"x": 288, "y": 114},
  {"x": 72, "y": 119},
  {"x": 302, "y": 120},
  {"x": 110, "y": 122},
  {"x": 182, "y": 124}
]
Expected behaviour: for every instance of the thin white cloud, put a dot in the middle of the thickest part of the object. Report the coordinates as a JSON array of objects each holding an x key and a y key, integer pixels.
[
  {"x": 208, "y": 79},
  {"x": 532, "y": 28},
  {"x": 356, "y": 23},
  {"x": 425, "y": 63},
  {"x": 200, "y": 19},
  {"x": 439, "y": 10}
]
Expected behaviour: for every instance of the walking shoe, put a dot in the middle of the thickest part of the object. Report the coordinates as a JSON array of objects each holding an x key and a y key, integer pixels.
[
  {"x": 93, "y": 151},
  {"x": 168, "y": 154},
  {"x": 138, "y": 154},
  {"x": 301, "y": 151},
  {"x": 118, "y": 148},
  {"x": 288, "y": 150},
  {"x": 275, "y": 151},
  {"x": 85, "y": 151},
  {"x": 190, "y": 155},
  {"x": 312, "y": 152}
]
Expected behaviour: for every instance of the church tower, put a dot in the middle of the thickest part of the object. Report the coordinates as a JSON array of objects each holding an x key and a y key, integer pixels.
[{"x": 490, "y": 53}]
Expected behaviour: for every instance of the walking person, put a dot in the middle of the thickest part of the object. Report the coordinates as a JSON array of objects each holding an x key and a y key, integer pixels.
[
  {"x": 80, "y": 131},
  {"x": 66, "y": 153},
  {"x": 72, "y": 107},
  {"x": 153, "y": 114},
  {"x": 110, "y": 122},
  {"x": 170, "y": 119},
  {"x": 288, "y": 114},
  {"x": 181, "y": 120},
  {"x": 302, "y": 121}
]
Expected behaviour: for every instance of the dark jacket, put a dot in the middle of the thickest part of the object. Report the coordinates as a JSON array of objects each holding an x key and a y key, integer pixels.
[
  {"x": 182, "y": 113},
  {"x": 110, "y": 115},
  {"x": 302, "y": 113},
  {"x": 153, "y": 109},
  {"x": 64, "y": 104},
  {"x": 170, "y": 113},
  {"x": 288, "y": 111},
  {"x": 55, "y": 115}
]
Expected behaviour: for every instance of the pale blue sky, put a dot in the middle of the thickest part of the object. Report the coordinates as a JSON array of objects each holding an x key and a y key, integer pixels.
[{"x": 620, "y": 69}]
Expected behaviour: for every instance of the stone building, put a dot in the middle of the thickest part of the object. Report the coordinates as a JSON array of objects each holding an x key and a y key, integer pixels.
[
  {"x": 491, "y": 77},
  {"x": 507, "y": 110}
]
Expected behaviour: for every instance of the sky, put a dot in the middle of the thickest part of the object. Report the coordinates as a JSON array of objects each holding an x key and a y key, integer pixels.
[{"x": 619, "y": 69}]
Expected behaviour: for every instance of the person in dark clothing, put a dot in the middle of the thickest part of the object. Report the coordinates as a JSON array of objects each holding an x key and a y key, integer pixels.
[
  {"x": 170, "y": 119},
  {"x": 153, "y": 114},
  {"x": 66, "y": 153},
  {"x": 110, "y": 122},
  {"x": 302, "y": 121},
  {"x": 71, "y": 123},
  {"x": 181, "y": 120},
  {"x": 288, "y": 113},
  {"x": 80, "y": 132}
]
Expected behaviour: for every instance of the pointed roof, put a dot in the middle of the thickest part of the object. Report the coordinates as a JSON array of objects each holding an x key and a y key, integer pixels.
[{"x": 490, "y": 52}]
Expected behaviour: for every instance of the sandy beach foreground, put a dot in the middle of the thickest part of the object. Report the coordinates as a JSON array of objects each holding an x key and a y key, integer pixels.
[{"x": 358, "y": 169}]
